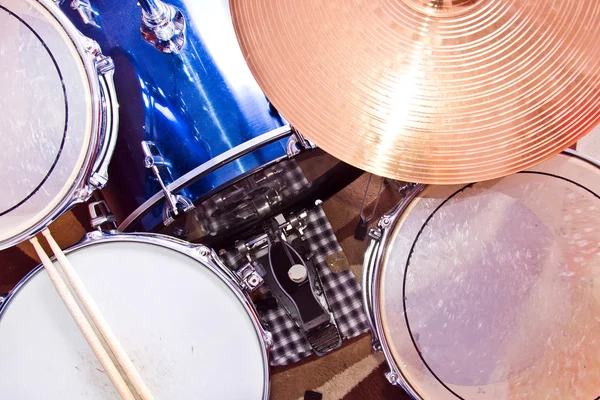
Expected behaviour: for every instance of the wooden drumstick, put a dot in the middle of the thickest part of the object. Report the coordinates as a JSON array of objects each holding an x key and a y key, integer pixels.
[
  {"x": 83, "y": 324},
  {"x": 98, "y": 319}
]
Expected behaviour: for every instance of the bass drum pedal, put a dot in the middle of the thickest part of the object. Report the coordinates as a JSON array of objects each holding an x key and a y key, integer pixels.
[{"x": 282, "y": 257}]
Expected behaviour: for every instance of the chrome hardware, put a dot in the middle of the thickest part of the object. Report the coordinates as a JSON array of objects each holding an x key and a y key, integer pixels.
[
  {"x": 403, "y": 188},
  {"x": 105, "y": 68},
  {"x": 292, "y": 223},
  {"x": 2, "y": 298},
  {"x": 162, "y": 25},
  {"x": 298, "y": 143},
  {"x": 101, "y": 218},
  {"x": 392, "y": 377},
  {"x": 254, "y": 196},
  {"x": 104, "y": 64},
  {"x": 371, "y": 273},
  {"x": 252, "y": 248},
  {"x": 211, "y": 165},
  {"x": 169, "y": 214},
  {"x": 375, "y": 233},
  {"x": 86, "y": 12},
  {"x": 250, "y": 279},
  {"x": 84, "y": 193},
  {"x": 153, "y": 160},
  {"x": 91, "y": 46},
  {"x": 268, "y": 338},
  {"x": 313, "y": 317},
  {"x": 98, "y": 180},
  {"x": 284, "y": 228}
]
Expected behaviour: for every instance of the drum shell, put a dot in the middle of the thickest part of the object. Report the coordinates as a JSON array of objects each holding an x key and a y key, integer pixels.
[{"x": 194, "y": 105}]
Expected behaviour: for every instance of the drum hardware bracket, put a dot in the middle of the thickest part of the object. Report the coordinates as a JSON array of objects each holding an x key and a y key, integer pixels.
[
  {"x": 250, "y": 279},
  {"x": 318, "y": 325},
  {"x": 88, "y": 15},
  {"x": 375, "y": 233},
  {"x": 293, "y": 222},
  {"x": 104, "y": 64},
  {"x": 298, "y": 143},
  {"x": 170, "y": 213},
  {"x": 101, "y": 218},
  {"x": 209, "y": 167},
  {"x": 163, "y": 25},
  {"x": 360, "y": 233},
  {"x": 392, "y": 377},
  {"x": 153, "y": 160}
]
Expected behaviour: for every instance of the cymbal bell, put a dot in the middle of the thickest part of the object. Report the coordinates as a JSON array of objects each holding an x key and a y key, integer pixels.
[{"x": 444, "y": 92}]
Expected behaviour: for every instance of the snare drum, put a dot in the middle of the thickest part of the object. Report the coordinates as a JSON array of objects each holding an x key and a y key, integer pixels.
[
  {"x": 191, "y": 121},
  {"x": 59, "y": 117},
  {"x": 182, "y": 318},
  {"x": 492, "y": 290}
]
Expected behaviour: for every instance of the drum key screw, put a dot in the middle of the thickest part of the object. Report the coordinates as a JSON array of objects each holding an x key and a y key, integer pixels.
[
  {"x": 83, "y": 193},
  {"x": 204, "y": 252},
  {"x": 91, "y": 46},
  {"x": 392, "y": 377},
  {"x": 94, "y": 234},
  {"x": 268, "y": 336}
]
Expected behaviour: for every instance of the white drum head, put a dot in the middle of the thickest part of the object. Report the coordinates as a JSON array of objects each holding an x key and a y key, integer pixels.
[
  {"x": 492, "y": 290},
  {"x": 46, "y": 119},
  {"x": 185, "y": 330}
]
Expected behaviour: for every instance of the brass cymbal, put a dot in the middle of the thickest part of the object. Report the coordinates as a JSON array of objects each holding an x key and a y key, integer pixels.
[{"x": 446, "y": 91}]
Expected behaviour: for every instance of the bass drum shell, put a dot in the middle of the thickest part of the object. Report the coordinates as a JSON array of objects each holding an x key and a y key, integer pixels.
[
  {"x": 194, "y": 105},
  {"x": 187, "y": 327},
  {"x": 492, "y": 290}
]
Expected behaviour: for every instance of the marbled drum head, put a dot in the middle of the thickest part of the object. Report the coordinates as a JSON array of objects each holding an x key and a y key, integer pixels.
[
  {"x": 492, "y": 290},
  {"x": 46, "y": 121}
]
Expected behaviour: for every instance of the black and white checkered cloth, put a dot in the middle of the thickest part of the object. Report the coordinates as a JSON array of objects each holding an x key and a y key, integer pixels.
[{"x": 341, "y": 289}]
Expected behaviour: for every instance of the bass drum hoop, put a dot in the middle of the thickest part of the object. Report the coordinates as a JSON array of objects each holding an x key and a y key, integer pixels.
[
  {"x": 213, "y": 165},
  {"x": 372, "y": 268},
  {"x": 203, "y": 255}
]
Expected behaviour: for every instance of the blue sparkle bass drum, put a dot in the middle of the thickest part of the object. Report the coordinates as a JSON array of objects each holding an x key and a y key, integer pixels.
[{"x": 192, "y": 118}]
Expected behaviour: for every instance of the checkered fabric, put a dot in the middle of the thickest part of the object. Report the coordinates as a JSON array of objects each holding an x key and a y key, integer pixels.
[
  {"x": 289, "y": 182},
  {"x": 341, "y": 289}
]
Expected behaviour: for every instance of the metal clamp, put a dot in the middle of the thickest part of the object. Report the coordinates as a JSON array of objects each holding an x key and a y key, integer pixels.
[
  {"x": 88, "y": 15},
  {"x": 101, "y": 218},
  {"x": 104, "y": 64},
  {"x": 297, "y": 143},
  {"x": 162, "y": 25},
  {"x": 250, "y": 279},
  {"x": 153, "y": 160},
  {"x": 292, "y": 224}
]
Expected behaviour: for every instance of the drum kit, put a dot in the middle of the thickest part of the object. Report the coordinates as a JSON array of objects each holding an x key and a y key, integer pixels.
[{"x": 482, "y": 283}]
